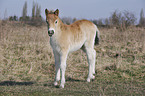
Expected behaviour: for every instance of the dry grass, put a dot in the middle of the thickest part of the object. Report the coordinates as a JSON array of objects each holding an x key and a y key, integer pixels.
[{"x": 27, "y": 63}]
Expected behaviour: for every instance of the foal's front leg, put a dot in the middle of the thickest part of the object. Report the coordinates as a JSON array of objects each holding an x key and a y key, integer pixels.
[
  {"x": 63, "y": 59},
  {"x": 57, "y": 67}
]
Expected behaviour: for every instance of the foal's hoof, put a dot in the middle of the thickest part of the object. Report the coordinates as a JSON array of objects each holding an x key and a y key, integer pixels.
[
  {"x": 94, "y": 72},
  {"x": 89, "y": 78},
  {"x": 93, "y": 77},
  {"x": 61, "y": 86},
  {"x": 55, "y": 84}
]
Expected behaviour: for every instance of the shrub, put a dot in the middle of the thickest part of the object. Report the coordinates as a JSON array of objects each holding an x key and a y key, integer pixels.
[{"x": 122, "y": 20}]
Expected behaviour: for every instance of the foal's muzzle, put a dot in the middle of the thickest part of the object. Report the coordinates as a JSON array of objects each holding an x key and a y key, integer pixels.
[{"x": 50, "y": 32}]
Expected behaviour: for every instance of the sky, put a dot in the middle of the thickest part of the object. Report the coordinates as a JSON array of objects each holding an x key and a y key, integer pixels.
[{"x": 82, "y": 9}]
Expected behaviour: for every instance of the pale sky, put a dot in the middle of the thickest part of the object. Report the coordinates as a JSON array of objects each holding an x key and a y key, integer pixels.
[{"x": 88, "y": 9}]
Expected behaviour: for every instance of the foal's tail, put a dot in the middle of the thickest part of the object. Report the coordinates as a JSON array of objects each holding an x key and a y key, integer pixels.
[{"x": 97, "y": 38}]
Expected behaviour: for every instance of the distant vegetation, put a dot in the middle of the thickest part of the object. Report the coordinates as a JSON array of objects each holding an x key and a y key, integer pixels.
[
  {"x": 142, "y": 19},
  {"x": 36, "y": 18},
  {"x": 120, "y": 20}
]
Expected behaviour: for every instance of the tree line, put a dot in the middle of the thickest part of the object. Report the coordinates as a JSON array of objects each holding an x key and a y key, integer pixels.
[
  {"x": 121, "y": 20},
  {"x": 34, "y": 19}
]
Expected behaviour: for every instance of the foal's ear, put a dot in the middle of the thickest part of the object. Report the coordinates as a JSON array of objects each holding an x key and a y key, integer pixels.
[
  {"x": 46, "y": 12},
  {"x": 56, "y": 12}
]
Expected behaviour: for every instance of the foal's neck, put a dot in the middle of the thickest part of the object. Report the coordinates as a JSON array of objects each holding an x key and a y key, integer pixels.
[{"x": 62, "y": 26}]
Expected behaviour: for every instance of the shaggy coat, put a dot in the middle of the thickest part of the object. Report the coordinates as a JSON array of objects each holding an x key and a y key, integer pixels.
[{"x": 68, "y": 38}]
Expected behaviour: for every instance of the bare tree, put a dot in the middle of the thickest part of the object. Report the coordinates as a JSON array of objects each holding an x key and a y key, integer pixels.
[
  {"x": 122, "y": 20},
  {"x": 36, "y": 19},
  {"x": 142, "y": 18},
  {"x": 38, "y": 11},
  {"x": 116, "y": 18},
  {"x": 100, "y": 22},
  {"x": 24, "y": 13},
  {"x": 107, "y": 22},
  {"x": 33, "y": 10},
  {"x": 129, "y": 19}
]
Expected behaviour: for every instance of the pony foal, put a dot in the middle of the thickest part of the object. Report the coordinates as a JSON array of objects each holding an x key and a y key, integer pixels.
[{"x": 68, "y": 38}]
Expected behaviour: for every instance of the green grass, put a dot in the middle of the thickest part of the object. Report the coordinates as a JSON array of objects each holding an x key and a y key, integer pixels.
[
  {"x": 106, "y": 83},
  {"x": 27, "y": 64}
]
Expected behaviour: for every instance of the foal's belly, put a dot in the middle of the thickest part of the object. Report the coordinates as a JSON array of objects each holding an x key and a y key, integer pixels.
[{"x": 75, "y": 47}]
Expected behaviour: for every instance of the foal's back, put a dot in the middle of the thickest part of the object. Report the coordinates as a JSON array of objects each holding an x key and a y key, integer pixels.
[
  {"x": 82, "y": 26},
  {"x": 79, "y": 33}
]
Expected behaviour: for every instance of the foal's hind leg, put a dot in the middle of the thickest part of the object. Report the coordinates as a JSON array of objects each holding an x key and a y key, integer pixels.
[{"x": 91, "y": 56}]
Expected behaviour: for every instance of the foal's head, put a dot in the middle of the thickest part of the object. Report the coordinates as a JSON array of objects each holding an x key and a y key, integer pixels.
[{"x": 52, "y": 21}]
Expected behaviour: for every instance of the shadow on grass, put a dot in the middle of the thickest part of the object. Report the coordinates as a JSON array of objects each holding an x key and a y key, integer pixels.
[
  {"x": 74, "y": 80},
  {"x": 13, "y": 83}
]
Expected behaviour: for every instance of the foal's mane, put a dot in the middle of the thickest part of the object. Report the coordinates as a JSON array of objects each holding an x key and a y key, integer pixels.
[{"x": 51, "y": 12}]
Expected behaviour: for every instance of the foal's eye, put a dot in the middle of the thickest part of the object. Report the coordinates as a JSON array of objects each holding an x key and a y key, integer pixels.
[{"x": 56, "y": 22}]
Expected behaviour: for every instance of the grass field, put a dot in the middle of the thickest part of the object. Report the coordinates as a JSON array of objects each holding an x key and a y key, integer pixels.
[{"x": 27, "y": 63}]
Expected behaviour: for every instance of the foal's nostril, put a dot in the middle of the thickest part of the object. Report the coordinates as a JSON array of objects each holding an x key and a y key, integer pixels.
[{"x": 50, "y": 32}]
